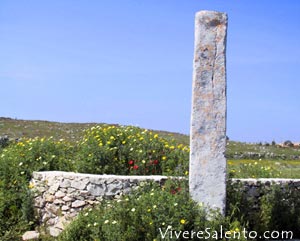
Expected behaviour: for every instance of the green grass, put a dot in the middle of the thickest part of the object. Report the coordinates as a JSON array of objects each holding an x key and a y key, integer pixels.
[
  {"x": 31, "y": 128},
  {"x": 271, "y": 160},
  {"x": 71, "y": 132},
  {"x": 240, "y": 150},
  {"x": 264, "y": 168}
]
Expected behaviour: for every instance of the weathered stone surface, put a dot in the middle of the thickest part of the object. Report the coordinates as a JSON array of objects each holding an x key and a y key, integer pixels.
[
  {"x": 114, "y": 188},
  {"x": 71, "y": 190},
  {"x": 52, "y": 208},
  {"x": 68, "y": 199},
  {"x": 39, "y": 202},
  {"x": 81, "y": 184},
  {"x": 54, "y": 187},
  {"x": 65, "y": 208},
  {"x": 61, "y": 223},
  {"x": 49, "y": 197},
  {"x": 65, "y": 183},
  {"x": 30, "y": 235},
  {"x": 58, "y": 201},
  {"x": 54, "y": 232},
  {"x": 47, "y": 216},
  {"x": 207, "y": 180},
  {"x": 96, "y": 190},
  {"x": 60, "y": 194},
  {"x": 78, "y": 203}
]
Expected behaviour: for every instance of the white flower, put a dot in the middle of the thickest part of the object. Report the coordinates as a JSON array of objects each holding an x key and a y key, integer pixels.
[
  {"x": 133, "y": 210},
  {"x": 106, "y": 221},
  {"x": 20, "y": 164},
  {"x": 95, "y": 224},
  {"x": 114, "y": 222},
  {"x": 175, "y": 204}
]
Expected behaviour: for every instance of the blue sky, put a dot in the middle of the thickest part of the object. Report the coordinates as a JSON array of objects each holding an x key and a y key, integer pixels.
[{"x": 130, "y": 62}]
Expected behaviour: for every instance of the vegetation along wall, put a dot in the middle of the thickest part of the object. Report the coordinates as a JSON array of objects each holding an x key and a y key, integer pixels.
[{"x": 60, "y": 196}]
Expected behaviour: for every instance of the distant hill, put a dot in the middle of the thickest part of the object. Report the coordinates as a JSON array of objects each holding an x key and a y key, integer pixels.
[{"x": 73, "y": 132}]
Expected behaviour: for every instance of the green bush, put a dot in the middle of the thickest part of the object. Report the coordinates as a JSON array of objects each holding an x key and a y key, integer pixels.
[
  {"x": 107, "y": 149},
  {"x": 280, "y": 209},
  {"x": 4, "y": 141},
  {"x": 134, "y": 151},
  {"x": 130, "y": 151},
  {"x": 146, "y": 214},
  {"x": 276, "y": 208},
  {"x": 17, "y": 162}
]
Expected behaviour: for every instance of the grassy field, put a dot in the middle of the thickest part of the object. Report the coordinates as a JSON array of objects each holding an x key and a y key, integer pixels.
[
  {"x": 244, "y": 159},
  {"x": 71, "y": 132}
]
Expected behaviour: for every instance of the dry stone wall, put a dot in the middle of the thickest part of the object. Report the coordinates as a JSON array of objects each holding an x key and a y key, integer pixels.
[{"x": 60, "y": 196}]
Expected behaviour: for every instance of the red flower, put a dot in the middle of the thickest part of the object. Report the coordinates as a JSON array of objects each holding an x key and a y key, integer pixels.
[
  {"x": 176, "y": 190},
  {"x": 131, "y": 162},
  {"x": 135, "y": 167},
  {"x": 173, "y": 191},
  {"x": 155, "y": 162}
]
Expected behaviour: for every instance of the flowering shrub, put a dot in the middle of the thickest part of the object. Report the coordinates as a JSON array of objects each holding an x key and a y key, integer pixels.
[
  {"x": 107, "y": 149},
  {"x": 17, "y": 162},
  {"x": 127, "y": 150},
  {"x": 132, "y": 151},
  {"x": 146, "y": 214}
]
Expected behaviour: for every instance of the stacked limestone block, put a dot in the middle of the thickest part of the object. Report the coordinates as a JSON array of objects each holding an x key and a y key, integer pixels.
[{"x": 60, "y": 196}]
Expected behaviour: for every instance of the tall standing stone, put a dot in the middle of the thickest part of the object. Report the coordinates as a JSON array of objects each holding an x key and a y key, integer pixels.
[{"x": 207, "y": 180}]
